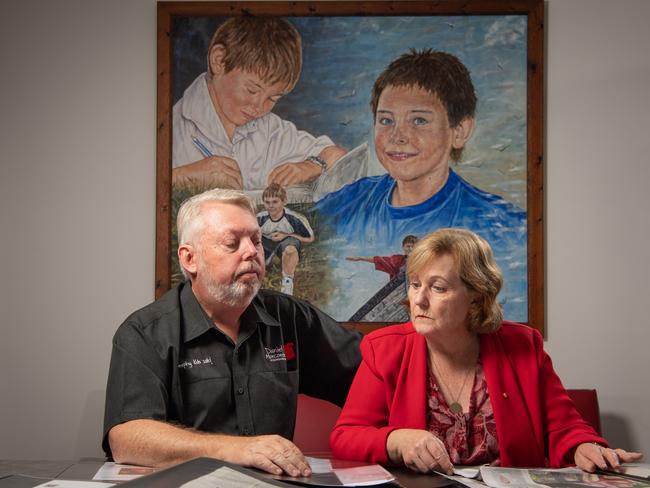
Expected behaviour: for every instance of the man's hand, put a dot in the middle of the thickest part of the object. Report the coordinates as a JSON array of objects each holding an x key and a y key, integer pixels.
[
  {"x": 590, "y": 456},
  {"x": 271, "y": 453},
  {"x": 217, "y": 171},
  {"x": 290, "y": 174},
  {"x": 419, "y": 450},
  {"x": 148, "y": 442}
]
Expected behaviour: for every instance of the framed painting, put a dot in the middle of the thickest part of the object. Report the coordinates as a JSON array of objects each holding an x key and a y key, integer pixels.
[{"x": 358, "y": 128}]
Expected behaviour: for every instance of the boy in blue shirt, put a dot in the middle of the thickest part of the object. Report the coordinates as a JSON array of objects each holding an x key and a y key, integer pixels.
[{"x": 424, "y": 107}]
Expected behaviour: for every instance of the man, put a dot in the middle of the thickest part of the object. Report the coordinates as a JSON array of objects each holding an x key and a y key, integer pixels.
[{"x": 213, "y": 367}]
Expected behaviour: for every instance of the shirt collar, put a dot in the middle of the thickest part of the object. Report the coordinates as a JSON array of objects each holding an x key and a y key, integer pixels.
[
  {"x": 243, "y": 131},
  {"x": 256, "y": 313},
  {"x": 434, "y": 203},
  {"x": 197, "y": 322},
  {"x": 197, "y": 107}
]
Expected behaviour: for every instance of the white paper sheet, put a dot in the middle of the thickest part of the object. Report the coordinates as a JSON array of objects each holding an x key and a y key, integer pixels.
[
  {"x": 120, "y": 472},
  {"x": 74, "y": 484}
]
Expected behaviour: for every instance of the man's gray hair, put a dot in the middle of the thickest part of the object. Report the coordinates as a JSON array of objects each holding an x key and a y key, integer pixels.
[{"x": 189, "y": 219}]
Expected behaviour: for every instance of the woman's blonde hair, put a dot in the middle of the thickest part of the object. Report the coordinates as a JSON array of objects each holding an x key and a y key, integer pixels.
[{"x": 476, "y": 269}]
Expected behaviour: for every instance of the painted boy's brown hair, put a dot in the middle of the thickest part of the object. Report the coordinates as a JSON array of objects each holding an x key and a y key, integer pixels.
[
  {"x": 437, "y": 72},
  {"x": 270, "y": 47},
  {"x": 409, "y": 239},
  {"x": 275, "y": 190}
]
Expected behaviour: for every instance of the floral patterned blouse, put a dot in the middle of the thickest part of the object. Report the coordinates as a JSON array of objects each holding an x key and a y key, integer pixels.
[{"x": 470, "y": 438}]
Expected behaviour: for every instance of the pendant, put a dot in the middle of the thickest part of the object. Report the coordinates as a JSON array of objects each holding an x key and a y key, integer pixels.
[{"x": 456, "y": 408}]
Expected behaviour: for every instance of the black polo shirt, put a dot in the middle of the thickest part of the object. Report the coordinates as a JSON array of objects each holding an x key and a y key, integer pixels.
[{"x": 170, "y": 363}]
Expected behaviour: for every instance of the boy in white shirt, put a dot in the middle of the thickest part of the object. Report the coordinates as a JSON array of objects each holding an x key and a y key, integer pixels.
[{"x": 223, "y": 130}]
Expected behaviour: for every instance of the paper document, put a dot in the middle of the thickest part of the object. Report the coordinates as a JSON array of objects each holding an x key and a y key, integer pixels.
[
  {"x": 336, "y": 472},
  {"x": 465, "y": 475},
  {"x": 73, "y": 484},
  {"x": 348, "y": 169},
  {"x": 121, "y": 472},
  {"x": 467, "y": 471},
  {"x": 461, "y": 480},
  {"x": 363, "y": 475},
  {"x": 225, "y": 477}
]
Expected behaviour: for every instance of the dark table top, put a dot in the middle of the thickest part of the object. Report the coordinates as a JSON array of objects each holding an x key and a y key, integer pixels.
[{"x": 25, "y": 474}]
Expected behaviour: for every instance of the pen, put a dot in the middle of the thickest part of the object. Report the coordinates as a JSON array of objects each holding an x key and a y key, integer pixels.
[{"x": 201, "y": 147}]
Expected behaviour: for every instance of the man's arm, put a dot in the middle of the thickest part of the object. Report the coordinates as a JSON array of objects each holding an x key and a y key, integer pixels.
[
  {"x": 137, "y": 393},
  {"x": 147, "y": 442}
]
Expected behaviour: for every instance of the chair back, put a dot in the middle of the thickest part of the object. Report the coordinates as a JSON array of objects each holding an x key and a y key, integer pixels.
[
  {"x": 586, "y": 402},
  {"x": 315, "y": 420}
]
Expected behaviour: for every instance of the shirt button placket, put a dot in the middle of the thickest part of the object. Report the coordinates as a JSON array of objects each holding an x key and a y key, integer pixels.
[{"x": 242, "y": 395}]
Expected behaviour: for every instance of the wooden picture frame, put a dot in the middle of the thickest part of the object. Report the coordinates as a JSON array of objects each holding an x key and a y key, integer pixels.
[{"x": 533, "y": 12}]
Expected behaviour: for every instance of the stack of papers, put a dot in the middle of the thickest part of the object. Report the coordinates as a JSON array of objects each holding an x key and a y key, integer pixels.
[{"x": 334, "y": 472}]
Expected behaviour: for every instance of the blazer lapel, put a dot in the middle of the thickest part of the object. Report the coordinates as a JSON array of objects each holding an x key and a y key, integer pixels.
[{"x": 409, "y": 407}]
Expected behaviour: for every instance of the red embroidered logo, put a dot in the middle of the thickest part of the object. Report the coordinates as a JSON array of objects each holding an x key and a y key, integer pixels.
[{"x": 289, "y": 351}]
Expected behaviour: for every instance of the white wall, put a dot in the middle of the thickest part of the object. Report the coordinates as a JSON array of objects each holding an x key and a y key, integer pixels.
[
  {"x": 597, "y": 223},
  {"x": 77, "y": 172}
]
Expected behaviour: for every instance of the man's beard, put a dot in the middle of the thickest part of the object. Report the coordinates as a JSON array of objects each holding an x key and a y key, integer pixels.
[{"x": 234, "y": 294}]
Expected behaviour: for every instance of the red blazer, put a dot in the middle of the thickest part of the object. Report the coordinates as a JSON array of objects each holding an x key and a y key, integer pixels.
[{"x": 537, "y": 423}]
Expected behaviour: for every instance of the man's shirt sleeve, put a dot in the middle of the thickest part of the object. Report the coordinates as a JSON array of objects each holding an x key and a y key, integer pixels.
[{"x": 137, "y": 382}]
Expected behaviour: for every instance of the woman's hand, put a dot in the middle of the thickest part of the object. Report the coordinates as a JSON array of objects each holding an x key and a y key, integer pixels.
[
  {"x": 590, "y": 456},
  {"x": 419, "y": 450}
]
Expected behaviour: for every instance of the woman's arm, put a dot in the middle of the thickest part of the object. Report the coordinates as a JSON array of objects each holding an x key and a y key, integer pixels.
[
  {"x": 362, "y": 428},
  {"x": 570, "y": 439}
]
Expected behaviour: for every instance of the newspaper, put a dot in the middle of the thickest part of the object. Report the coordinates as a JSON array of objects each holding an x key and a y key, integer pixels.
[{"x": 555, "y": 478}]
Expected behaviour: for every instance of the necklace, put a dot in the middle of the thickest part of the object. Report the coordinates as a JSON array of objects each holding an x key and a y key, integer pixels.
[{"x": 455, "y": 405}]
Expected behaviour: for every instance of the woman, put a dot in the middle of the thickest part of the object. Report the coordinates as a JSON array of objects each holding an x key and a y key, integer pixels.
[{"x": 456, "y": 385}]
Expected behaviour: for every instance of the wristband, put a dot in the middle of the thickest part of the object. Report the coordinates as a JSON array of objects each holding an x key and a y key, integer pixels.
[{"x": 319, "y": 161}]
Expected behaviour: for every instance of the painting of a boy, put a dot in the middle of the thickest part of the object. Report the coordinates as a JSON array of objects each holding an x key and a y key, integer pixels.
[
  {"x": 224, "y": 133},
  {"x": 426, "y": 166},
  {"x": 283, "y": 233},
  {"x": 423, "y": 105}
]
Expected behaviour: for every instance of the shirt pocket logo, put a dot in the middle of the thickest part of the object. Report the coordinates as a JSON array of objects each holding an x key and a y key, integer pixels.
[
  {"x": 191, "y": 363},
  {"x": 273, "y": 354}
]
